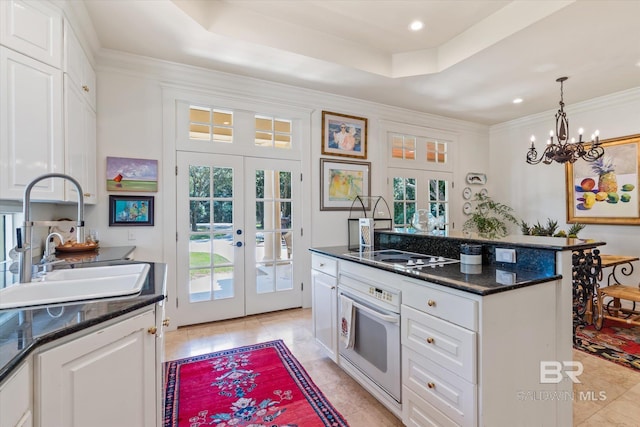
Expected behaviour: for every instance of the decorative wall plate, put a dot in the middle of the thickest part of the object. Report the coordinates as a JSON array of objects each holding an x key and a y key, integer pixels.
[
  {"x": 466, "y": 193},
  {"x": 467, "y": 209},
  {"x": 484, "y": 192},
  {"x": 476, "y": 178}
]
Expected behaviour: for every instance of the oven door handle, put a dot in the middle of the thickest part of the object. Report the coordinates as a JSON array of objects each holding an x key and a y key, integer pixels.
[{"x": 385, "y": 317}]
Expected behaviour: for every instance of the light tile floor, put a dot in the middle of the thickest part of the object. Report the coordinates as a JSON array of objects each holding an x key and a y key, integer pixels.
[{"x": 620, "y": 385}]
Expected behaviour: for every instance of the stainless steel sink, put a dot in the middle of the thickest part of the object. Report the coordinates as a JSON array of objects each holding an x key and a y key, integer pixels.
[{"x": 80, "y": 284}]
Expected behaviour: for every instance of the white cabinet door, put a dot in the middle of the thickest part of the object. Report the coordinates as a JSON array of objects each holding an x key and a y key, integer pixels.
[
  {"x": 80, "y": 143},
  {"x": 31, "y": 139},
  {"x": 15, "y": 399},
  {"x": 78, "y": 67},
  {"x": 33, "y": 28},
  {"x": 104, "y": 379},
  {"x": 325, "y": 317}
]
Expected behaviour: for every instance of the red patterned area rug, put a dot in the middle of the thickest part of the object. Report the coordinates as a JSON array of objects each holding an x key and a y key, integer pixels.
[
  {"x": 616, "y": 342},
  {"x": 260, "y": 385}
]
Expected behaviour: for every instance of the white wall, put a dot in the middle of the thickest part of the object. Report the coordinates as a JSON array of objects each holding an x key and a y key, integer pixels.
[
  {"x": 130, "y": 125},
  {"x": 538, "y": 192}
]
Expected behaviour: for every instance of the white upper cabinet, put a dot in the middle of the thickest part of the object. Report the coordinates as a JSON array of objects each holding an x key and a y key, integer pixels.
[
  {"x": 80, "y": 143},
  {"x": 79, "y": 118},
  {"x": 47, "y": 122},
  {"x": 78, "y": 67},
  {"x": 33, "y": 28},
  {"x": 31, "y": 133}
]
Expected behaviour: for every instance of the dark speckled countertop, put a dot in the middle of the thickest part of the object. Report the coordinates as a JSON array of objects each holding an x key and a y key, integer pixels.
[
  {"x": 24, "y": 330},
  {"x": 490, "y": 279}
]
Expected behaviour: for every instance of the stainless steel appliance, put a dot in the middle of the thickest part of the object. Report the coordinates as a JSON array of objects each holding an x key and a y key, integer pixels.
[{"x": 375, "y": 355}]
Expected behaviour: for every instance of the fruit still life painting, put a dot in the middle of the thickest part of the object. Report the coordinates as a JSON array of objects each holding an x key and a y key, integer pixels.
[{"x": 607, "y": 187}]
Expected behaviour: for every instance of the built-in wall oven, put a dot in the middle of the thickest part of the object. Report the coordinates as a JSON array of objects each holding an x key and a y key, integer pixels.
[{"x": 374, "y": 357}]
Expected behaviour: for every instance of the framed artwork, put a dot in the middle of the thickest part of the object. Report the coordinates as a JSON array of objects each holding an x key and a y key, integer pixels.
[
  {"x": 606, "y": 191},
  {"x": 130, "y": 210},
  {"x": 341, "y": 181},
  {"x": 125, "y": 174},
  {"x": 344, "y": 135}
]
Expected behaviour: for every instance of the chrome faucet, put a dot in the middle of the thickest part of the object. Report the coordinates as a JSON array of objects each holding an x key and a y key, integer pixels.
[
  {"x": 47, "y": 256},
  {"x": 25, "y": 250}
]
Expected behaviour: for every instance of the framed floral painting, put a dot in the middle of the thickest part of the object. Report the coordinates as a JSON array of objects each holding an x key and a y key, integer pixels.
[
  {"x": 344, "y": 135},
  {"x": 341, "y": 181},
  {"x": 605, "y": 191}
]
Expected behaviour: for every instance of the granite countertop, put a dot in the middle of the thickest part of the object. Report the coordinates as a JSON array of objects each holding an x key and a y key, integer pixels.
[
  {"x": 512, "y": 240},
  {"x": 23, "y": 330},
  {"x": 477, "y": 279}
]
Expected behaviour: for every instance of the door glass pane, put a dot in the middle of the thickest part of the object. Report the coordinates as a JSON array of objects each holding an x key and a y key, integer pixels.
[
  {"x": 211, "y": 239},
  {"x": 222, "y": 182},
  {"x": 264, "y": 277},
  {"x": 199, "y": 180},
  {"x": 274, "y": 245},
  {"x": 284, "y": 271},
  {"x": 223, "y": 283}
]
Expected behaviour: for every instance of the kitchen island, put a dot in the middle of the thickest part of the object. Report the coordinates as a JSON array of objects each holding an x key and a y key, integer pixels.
[
  {"x": 72, "y": 364},
  {"x": 480, "y": 345}
]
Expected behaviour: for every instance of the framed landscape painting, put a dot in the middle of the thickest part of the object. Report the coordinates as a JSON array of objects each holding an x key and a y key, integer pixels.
[
  {"x": 341, "y": 181},
  {"x": 606, "y": 191},
  {"x": 125, "y": 174},
  {"x": 344, "y": 135}
]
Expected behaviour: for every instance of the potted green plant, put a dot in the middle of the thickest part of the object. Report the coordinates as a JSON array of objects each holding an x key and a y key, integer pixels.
[
  {"x": 490, "y": 219},
  {"x": 550, "y": 229}
]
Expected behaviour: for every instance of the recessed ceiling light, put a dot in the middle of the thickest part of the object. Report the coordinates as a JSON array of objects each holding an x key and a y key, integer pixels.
[
  {"x": 416, "y": 26},
  {"x": 517, "y": 100}
]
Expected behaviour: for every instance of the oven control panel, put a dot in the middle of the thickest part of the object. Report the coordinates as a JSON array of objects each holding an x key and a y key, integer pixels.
[{"x": 382, "y": 295}]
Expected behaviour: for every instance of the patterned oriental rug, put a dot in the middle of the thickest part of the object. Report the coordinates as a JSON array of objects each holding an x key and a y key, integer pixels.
[
  {"x": 616, "y": 342},
  {"x": 260, "y": 385}
]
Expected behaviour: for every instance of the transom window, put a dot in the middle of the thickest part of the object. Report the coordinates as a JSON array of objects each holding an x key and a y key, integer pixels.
[
  {"x": 419, "y": 149},
  {"x": 436, "y": 152},
  {"x": 209, "y": 124},
  {"x": 273, "y": 132},
  {"x": 403, "y": 147}
]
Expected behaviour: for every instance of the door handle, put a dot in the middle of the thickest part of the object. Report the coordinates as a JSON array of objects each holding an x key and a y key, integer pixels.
[{"x": 239, "y": 244}]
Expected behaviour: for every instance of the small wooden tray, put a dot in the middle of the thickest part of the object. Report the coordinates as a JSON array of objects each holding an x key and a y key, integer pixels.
[{"x": 78, "y": 248}]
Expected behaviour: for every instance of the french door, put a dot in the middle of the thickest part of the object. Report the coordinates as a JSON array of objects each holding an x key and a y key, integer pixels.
[
  {"x": 238, "y": 222},
  {"x": 412, "y": 189}
]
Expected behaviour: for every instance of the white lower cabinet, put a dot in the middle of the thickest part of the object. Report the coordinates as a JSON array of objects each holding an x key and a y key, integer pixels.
[
  {"x": 439, "y": 359},
  {"x": 106, "y": 378},
  {"x": 15, "y": 398},
  {"x": 470, "y": 360},
  {"x": 325, "y": 304}
]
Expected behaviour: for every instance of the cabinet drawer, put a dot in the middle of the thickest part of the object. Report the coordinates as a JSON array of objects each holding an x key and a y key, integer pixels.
[
  {"x": 450, "y": 394},
  {"x": 435, "y": 300},
  {"x": 417, "y": 412},
  {"x": 446, "y": 344},
  {"x": 325, "y": 264}
]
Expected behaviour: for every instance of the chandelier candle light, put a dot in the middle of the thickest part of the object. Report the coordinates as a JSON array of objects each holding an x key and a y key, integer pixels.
[{"x": 564, "y": 151}]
